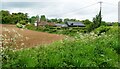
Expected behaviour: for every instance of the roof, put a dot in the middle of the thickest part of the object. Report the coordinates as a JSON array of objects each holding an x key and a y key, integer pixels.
[
  {"x": 61, "y": 25},
  {"x": 73, "y": 23}
]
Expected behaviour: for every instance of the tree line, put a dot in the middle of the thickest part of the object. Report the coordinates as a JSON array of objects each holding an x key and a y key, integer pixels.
[{"x": 13, "y": 18}]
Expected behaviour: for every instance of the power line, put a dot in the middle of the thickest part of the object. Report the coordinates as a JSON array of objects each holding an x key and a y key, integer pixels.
[
  {"x": 81, "y": 9},
  {"x": 73, "y": 11},
  {"x": 107, "y": 3}
]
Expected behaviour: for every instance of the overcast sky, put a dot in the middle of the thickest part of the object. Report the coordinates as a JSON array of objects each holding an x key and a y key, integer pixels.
[{"x": 79, "y": 9}]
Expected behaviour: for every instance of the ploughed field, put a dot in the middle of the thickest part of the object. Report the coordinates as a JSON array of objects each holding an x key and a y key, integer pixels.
[{"x": 23, "y": 38}]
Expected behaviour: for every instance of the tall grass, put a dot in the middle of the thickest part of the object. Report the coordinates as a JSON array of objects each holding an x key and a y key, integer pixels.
[{"x": 84, "y": 50}]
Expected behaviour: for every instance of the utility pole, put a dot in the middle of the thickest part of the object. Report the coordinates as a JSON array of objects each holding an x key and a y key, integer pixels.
[
  {"x": 100, "y": 11},
  {"x": 37, "y": 21},
  {"x": 100, "y": 5}
]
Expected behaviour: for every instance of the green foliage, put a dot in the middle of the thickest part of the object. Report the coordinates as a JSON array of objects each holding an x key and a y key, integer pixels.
[
  {"x": 23, "y": 22},
  {"x": 85, "y": 50},
  {"x": 19, "y": 25},
  {"x": 6, "y": 17},
  {"x": 32, "y": 19},
  {"x": 116, "y": 24},
  {"x": 30, "y": 27},
  {"x": 86, "y": 22},
  {"x": 54, "y": 20},
  {"x": 97, "y": 20},
  {"x": 66, "y": 19},
  {"x": 59, "y": 21},
  {"x": 43, "y": 18},
  {"x": 103, "y": 23},
  {"x": 102, "y": 29},
  {"x": 65, "y": 31},
  {"x": 13, "y": 18}
]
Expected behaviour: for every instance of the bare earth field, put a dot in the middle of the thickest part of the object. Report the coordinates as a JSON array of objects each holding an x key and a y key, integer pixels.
[{"x": 29, "y": 38}]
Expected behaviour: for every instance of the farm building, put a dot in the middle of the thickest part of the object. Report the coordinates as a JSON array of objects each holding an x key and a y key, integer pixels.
[
  {"x": 61, "y": 25},
  {"x": 74, "y": 24},
  {"x": 71, "y": 24},
  {"x": 43, "y": 23},
  {"x": 67, "y": 24}
]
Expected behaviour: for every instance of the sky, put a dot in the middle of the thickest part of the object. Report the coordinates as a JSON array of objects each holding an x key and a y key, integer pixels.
[{"x": 76, "y": 9}]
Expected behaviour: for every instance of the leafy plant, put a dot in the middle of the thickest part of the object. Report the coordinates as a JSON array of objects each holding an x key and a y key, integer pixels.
[{"x": 19, "y": 25}]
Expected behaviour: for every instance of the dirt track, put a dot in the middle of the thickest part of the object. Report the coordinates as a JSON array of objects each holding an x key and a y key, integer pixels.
[{"x": 31, "y": 38}]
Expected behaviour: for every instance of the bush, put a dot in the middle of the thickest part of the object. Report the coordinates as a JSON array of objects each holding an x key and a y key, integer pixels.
[
  {"x": 19, "y": 25},
  {"x": 23, "y": 22},
  {"x": 102, "y": 29},
  {"x": 30, "y": 27}
]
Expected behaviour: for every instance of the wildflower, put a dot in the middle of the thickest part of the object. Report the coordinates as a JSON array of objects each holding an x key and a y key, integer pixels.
[
  {"x": 95, "y": 35},
  {"x": 103, "y": 33},
  {"x": 92, "y": 33}
]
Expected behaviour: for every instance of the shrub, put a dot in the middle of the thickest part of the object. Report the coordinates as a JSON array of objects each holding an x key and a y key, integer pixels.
[
  {"x": 30, "y": 27},
  {"x": 102, "y": 29},
  {"x": 19, "y": 25},
  {"x": 23, "y": 22}
]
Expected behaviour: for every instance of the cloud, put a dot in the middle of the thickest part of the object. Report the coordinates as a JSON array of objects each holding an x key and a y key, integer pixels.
[{"x": 64, "y": 8}]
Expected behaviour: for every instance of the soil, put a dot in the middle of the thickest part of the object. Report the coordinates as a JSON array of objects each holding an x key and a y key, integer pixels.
[{"x": 30, "y": 38}]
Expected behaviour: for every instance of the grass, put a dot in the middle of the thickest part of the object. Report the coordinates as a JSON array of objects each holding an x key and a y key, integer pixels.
[{"x": 84, "y": 50}]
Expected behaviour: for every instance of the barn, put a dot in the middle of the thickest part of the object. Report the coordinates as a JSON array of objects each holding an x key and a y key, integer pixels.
[{"x": 74, "y": 24}]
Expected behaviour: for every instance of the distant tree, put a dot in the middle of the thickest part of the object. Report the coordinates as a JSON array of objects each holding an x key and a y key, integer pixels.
[
  {"x": 115, "y": 24},
  {"x": 48, "y": 20},
  {"x": 54, "y": 20},
  {"x": 43, "y": 18},
  {"x": 73, "y": 20},
  {"x": 86, "y": 22},
  {"x": 97, "y": 20},
  {"x": 66, "y": 19},
  {"x": 23, "y": 22},
  {"x": 59, "y": 21},
  {"x": 32, "y": 19},
  {"x": 17, "y": 17},
  {"x": 103, "y": 23},
  {"x": 6, "y": 17}
]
